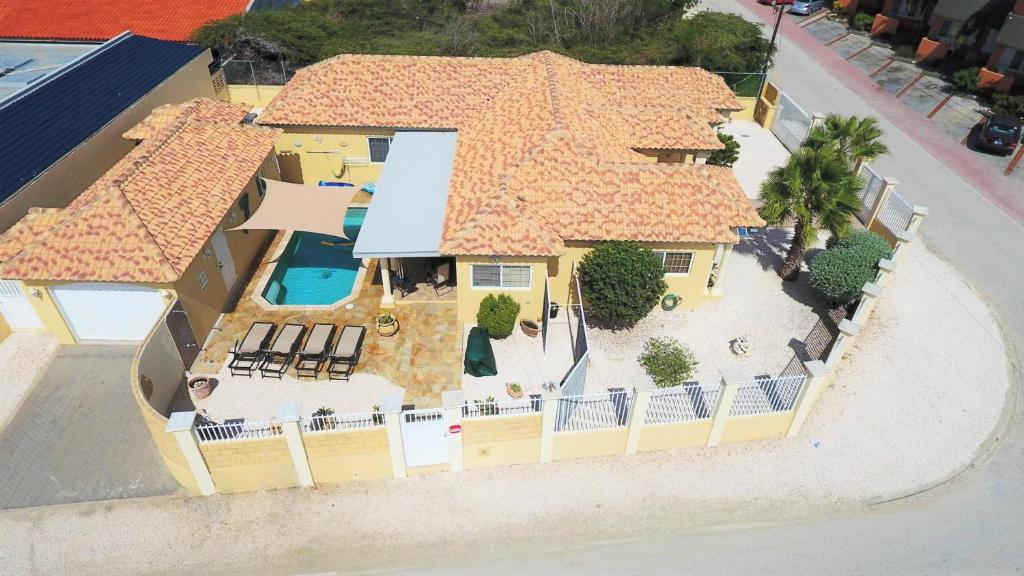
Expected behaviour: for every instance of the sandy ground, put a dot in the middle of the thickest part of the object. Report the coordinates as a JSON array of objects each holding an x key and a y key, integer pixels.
[
  {"x": 772, "y": 314},
  {"x": 23, "y": 357},
  {"x": 760, "y": 153},
  {"x": 924, "y": 385},
  {"x": 523, "y": 360}
]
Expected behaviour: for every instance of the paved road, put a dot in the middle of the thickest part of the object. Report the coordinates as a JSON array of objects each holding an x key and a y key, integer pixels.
[
  {"x": 79, "y": 435},
  {"x": 973, "y": 525}
]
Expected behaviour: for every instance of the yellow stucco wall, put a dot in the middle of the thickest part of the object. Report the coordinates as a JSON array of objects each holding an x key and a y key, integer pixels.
[
  {"x": 302, "y": 162},
  {"x": 760, "y": 427},
  {"x": 67, "y": 178},
  {"x": 530, "y": 300},
  {"x": 880, "y": 229},
  {"x": 5, "y": 328},
  {"x": 501, "y": 441},
  {"x": 749, "y": 104},
  {"x": 691, "y": 287},
  {"x": 155, "y": 374},
  {"x": 256, "y": 96},
  {"x": 247, "y": 465},
  {"x": 348, "y": 455},
  {"x": 674, "y": 435},
  {"x": 610, "y": 442}
]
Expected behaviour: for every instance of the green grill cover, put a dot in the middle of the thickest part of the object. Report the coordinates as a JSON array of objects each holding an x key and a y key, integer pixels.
[{"x": 479, "y": 355}]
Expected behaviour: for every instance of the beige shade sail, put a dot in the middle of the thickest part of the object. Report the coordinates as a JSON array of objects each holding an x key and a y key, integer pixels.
[{"x": 287, "y": 206}]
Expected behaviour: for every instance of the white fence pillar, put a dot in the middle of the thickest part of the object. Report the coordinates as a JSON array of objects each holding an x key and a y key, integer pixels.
[
  {"x": 903, "y": 240},
  {"x": 817, "y": 119},
  {"x": 638, "y": 414},
  {"x": 391, "y": 407},
  {"x": 289, "y": 416},
  {"x": 547, "y": 426},
  {"x": 847, "y": 332},
  {"x": 818, "y": 377},
  {"x": 885, "y": 269},
  {"x": 453, "y": 401},
  {"x": 920, "y": 213},
  {"x": 731, "y": 382},
  {"x": 888, "y": 185},
  {"x": 182, "y": 425},
  {"x": 868, "y": 299}
]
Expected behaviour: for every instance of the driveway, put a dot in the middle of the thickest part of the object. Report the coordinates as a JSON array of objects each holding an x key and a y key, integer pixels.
[{"x": 79, "y": 436}]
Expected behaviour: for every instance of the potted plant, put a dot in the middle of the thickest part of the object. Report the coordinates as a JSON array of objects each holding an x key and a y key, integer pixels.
[
  {"x": 529, "y": 327},
  {"x": 199, "y": 387},
  {"x": 486, "y": 407},
  {"x": 514, "y": 390},
  {"x": 323, "y": 419},
  {"x": 387, "y": 324}
]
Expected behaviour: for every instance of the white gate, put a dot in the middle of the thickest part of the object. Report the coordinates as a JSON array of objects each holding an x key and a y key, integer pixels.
[
  {"x": 16, "y": 308},
  {"x": 869, "y": 194},
  {"x": 791, "y": 124},
  {"x": 425, "y": 437}
]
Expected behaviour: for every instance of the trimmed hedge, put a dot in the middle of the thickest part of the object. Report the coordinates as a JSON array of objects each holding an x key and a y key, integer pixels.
[
  {"x": 622, "y": 282},
  {"x": 497, "y": 315},
  {"x": 838, "y": 274}
]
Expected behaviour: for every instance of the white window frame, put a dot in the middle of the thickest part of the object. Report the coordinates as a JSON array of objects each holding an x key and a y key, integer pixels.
[
  {"x": 664, "y": 254},
  {"x": 369, "y": 153},
  {"x": 501, "y": 277}
]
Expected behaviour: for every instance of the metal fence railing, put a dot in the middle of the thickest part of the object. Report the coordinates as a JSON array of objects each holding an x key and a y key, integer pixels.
[
  {"x": 482, "y": 409},
  {"x": 238, "y": 430},
  {"x": 765, "y": 395},
  {"x": 593, "y": 411},
  {"x": 896, "y": 213},
  {"x": 684, "y": 403},
  {"x": 341, "y": 422},
  {"x": 791, "y": 124},
  {"x": 744, "y": 84},
  {"x": 873, "y": 184}
]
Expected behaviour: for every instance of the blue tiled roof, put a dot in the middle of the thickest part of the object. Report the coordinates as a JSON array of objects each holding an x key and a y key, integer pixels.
[{"x": 44, "y": 123}]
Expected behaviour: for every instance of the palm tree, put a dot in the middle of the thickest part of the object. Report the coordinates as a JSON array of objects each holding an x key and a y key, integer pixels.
[
  {"x": 858, "y": 140},
  {"x": 815, "y": 189}
]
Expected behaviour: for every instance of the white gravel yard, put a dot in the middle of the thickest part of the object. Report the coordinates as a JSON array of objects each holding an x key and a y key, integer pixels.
[
  {"x": 23, "y": 356},
  {"x": 922, "y": 389},
  {"x": 760, "y": 153},
  {"x": 774, "y": 316}
]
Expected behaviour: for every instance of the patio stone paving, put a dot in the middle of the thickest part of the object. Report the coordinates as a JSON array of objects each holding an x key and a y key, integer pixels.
[
  {"x": 872, "y": 59},
  {"x": 424, "y": 358},
  {"x": 826, "y": 30},
  {"x": 897, "y": 76},
  {"x": 850, "y": 45},
  {"x": 924, "y": 96}
]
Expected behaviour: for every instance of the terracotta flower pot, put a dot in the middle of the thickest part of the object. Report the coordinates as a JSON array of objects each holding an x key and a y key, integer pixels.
[
  {"x": 512, "y": 393},
  {"x": 199, "y": 387},
  {"x": 530, "y": 328}
]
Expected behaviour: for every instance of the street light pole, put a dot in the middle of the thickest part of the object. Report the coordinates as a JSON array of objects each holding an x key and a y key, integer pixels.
[{"x": 779, "y": 9}]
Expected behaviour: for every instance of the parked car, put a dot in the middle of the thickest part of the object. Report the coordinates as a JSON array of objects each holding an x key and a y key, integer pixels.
[
  {"x": 999, "y": 134},
  {"x": 806, "y": 7}
]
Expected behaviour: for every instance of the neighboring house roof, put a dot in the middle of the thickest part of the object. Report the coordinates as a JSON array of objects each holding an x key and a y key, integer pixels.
[
  {"x": 547, "y": 145},
  {"x": 1012, "y": 33},
  {"x": 45, "y": 122},
  {"x": 197, "y": 109},
  {"x": 105, "y": 19},
  {"x": 148, "y": 217},
  {"x": 959, "y": 10}
]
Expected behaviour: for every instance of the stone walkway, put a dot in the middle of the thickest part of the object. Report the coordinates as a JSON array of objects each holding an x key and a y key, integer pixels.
[
  {"x": 79, "y": 436},
  {"x": 760, "y": 153}
]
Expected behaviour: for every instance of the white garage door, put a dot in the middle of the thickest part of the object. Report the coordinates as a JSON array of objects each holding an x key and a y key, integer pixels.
[
  {"x": 16, "y": 308},
  {"x": 109, "y": 311}
]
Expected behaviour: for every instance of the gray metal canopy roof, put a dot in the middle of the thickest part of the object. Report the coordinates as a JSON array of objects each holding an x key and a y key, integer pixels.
[
  {"x": 1012, "y": 33},
  {"x": 406, "y": 216},
  {"x": 959, "y": 10}
]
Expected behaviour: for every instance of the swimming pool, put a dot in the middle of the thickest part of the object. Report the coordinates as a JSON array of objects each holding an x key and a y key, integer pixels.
[{"x": 316, "y": 269}]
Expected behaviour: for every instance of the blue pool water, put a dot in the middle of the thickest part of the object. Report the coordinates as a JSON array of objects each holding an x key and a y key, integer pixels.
[{"x": 316, "y": 269}]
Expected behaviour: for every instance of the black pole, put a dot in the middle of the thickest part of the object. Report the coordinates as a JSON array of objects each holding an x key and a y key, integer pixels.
[{"x": 771, "y": 46}]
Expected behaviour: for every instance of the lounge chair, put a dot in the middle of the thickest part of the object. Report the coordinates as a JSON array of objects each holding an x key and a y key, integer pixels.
[
  {"x": 441, "y": 278},
  {"x": 346, "y": 353},
  {"x": 316, "y": 350},
  {"x": 282, "y": 352},
  {"x": 248, "y": 355}
]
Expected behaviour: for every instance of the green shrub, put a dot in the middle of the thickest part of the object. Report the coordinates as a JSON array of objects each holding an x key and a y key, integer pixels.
[
  {"x": 838, "y": 274},
  {"x": 498, "y": 315},
  {"x": 668, "y": 362},
  {"x": 905, "y": 51},
  {"x": 863, "y": 21},
  {"x": 1008, "y": 105},
  {"x": 622, "y": 282},
  {"x": 966, "y": 80},
  {"x": 728, "y": 155}
]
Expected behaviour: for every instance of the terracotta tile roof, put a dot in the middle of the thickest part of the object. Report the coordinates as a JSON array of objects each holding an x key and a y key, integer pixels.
[
  {"x": 547, "y": 146},
  {"x": 104, "y": 19},
  {"x": 197, "y": 109},
  {"x": 148, "y": 217}
]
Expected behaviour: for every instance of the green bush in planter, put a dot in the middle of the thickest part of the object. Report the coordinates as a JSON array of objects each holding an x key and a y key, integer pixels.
[
  {"x": 668, "y": 362},
  {"x": 622, "y": 282},
  {"x": 838, "y": 274},
  {"x": 498, "y": 315}
]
